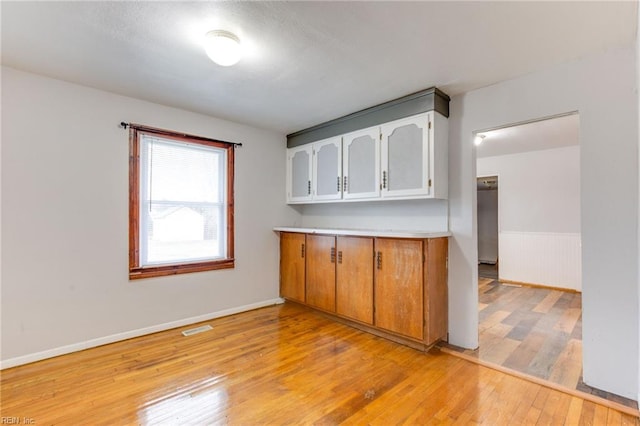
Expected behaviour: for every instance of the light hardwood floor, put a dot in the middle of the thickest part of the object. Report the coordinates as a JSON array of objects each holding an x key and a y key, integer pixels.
[{"x": 280, "y": 365}]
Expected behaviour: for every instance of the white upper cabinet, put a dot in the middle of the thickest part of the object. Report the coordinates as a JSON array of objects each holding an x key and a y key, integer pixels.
[
  {"x": 327, "y": 169},
  {"x": 401, "y": 159},
  {"x": 299, "y": 174},
  {"x": 405, "y": 157},
  {"x": 361, "y": 164}
]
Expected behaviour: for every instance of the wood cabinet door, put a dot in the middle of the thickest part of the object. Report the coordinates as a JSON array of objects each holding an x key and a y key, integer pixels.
[
  {"x": 299, "y": 174},
  {"x": 405, "y": 157},
  {"x": 292, "y": 266},
  {"x": 436, "y": 290},
  {"x": 361, "y": 164},
  {"x": 321, "y": 272},
  {"x": 399, "y": 286},
  {"x": 327, "y": 169},
  {"x": 354, "y": 278}
]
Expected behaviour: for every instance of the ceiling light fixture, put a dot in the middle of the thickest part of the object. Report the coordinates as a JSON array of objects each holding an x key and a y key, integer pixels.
[
  {"x": 478, "y": 139},
  {"x": 223, "y": 47}
]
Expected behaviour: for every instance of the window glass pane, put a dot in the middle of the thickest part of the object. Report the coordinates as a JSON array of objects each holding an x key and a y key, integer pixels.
[
  {"x": 182, "y": 172},
  {"x": 179, "y": 232},
  {"x": 182, "y": 202}
]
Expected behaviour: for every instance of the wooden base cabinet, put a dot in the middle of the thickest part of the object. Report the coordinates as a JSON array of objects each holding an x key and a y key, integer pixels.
[
  {"x": 399, "y": 286},
  {"x": 339, "y": 273},
  {"x": 292, "y": 266},
  {"x": 392, "y": 287},
  {"x": 354, "y": 278},
  {"x": 321, "y": 272},
  {"x": 436, "y": 296},
  {"x": 411, "y": 297}
]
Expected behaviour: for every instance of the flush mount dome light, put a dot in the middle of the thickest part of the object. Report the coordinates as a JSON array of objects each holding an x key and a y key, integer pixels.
[{"x": 223, "y": 47}]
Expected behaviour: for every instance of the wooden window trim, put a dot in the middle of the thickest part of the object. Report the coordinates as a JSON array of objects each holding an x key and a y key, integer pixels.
[{"x": 135, "y": 270}]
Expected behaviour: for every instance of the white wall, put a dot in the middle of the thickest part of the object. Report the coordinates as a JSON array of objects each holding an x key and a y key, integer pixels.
[
  {"x": 539, "y": 190},
  {"x": 65, "y": 220},
  {"x": 602, "y": 89},
  {"x": 638, "y": 118},
  {"x": 488, "y": 226},
  {"x": 539, "y": 210},
  {"x": 406, "y": 215}
]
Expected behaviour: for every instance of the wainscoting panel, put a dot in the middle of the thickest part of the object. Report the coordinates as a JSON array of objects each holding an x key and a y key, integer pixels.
[{"x": 550, "y": 259}]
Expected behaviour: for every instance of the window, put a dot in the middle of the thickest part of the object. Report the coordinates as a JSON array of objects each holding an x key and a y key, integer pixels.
[{"x": 180, "y": 203}]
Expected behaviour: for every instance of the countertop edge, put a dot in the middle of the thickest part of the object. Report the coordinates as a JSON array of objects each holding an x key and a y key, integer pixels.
[{"x": 363, "y": 232}]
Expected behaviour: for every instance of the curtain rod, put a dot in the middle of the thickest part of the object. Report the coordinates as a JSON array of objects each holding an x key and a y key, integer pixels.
[{"x": 126, "y": 125}]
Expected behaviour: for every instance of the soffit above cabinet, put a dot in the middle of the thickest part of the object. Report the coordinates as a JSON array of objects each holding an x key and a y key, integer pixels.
[{"x": 431, "y": 99}]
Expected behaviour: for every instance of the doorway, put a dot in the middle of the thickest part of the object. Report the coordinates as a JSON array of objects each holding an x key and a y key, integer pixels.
[
  {"x": 528, "y": 194},
  {"x": 487, "y": 198}
]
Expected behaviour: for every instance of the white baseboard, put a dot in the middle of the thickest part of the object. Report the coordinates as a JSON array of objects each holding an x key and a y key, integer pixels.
[{"x": 62, "y": 350}]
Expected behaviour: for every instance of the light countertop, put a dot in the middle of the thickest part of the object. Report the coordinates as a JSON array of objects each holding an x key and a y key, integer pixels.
[{"x": 364, "y": 232}]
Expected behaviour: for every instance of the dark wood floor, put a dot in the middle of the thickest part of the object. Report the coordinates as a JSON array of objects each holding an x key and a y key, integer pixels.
[
  {"x": 534, "y": 331},
  {"x": 280, "y": 365},
  {"x": 486, "y": 270}
]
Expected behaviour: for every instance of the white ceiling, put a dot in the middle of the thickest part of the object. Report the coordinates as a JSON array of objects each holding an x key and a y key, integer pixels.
[
  {"x": 545, "y": 134},
  {"x": 306, "y": 62}
]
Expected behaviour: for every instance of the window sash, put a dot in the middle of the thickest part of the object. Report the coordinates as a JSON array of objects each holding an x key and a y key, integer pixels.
[
  {"x": 149, "y": 245},
  {"x": 145, "y": 240}
]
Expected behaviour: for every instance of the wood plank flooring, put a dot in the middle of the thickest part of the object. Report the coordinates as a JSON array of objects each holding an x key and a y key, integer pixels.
[
  {"x": 280, "y": 365},
  {"x": 534, "y": 331}
]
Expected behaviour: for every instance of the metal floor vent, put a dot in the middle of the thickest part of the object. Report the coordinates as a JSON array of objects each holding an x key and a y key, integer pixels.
[{"x": 197, "y": 330}]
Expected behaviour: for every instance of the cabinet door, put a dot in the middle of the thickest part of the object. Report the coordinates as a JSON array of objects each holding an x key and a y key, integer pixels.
[
  {"x": 321, "y": 272},
  {"x": 299, "y": 168},
  {"x": 436, "y": 291},
  {"x": 405, "y": 157},
  {"x": 399, "y": 286},
  {"x": 292, "y": 266},
  {"x": 327, "y": 169},
  {"x": 361, "y": 165},
  {"x": 354, "y": 278}
]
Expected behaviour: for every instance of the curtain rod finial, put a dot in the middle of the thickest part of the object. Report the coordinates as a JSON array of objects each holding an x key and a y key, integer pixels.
[{"x": 124, "y": 125}]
